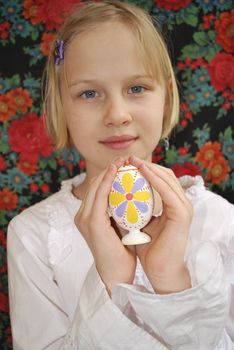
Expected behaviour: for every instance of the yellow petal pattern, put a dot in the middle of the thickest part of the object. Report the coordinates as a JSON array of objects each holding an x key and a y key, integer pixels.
[
  {"x": 116, "y": 198},
  {"x": 142, "y": 196},
  {"x": 127, "y": 181},
  {"x": 132, "y": 215}
]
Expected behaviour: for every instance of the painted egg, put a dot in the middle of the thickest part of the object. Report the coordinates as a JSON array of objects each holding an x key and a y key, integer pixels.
[{"x": 131, "y": 204}]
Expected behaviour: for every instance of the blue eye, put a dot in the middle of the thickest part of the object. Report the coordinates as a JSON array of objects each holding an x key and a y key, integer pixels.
[
  {"x": 136, "y": 89},
  {"x": 89, "y": 94}
]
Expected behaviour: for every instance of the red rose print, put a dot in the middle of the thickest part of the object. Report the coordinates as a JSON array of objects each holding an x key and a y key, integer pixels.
[
  {"x": 33, "y": 187},
  {"x": 4, "y": 307},
  {"x": 27, "y": 136},
  {"x": 218, "y": 170},
  {"x": 172, "y": 4},
  {"x": 27, "y": 165},
  {"x": 208, "y": 153},
  {"x": 184, "y": 123},
  {"x": 8, "y": 199},
  {"x": 183, "y": 151},
  {"x": 157, "y": 154},
  {"x": 53, "y": 12},
  {"x": 4, "y": 30},
  {"x": 7, "y": 107},
  {"x": 82, "y": 164},
  {"x": 45, "y": 188},
  {"x": 221, "y": 71},
  {"x": 225, "y": 30},
  {"x": 2, "y": 164},
  {"x": 47, "y": 39},
  {"x": 2, "y": 238},
  {"x": 186, "y": 169},
  {"x": 31, "y": 11},
  {"x": 22, "y": 99},
  {"x": 207, "y": 20}
]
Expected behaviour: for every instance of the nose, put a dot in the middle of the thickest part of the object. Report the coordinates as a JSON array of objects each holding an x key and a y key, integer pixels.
[{"x": 116, "y": 113}]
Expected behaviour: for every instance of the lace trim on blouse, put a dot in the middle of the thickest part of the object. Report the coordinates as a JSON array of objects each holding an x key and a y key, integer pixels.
[
  {"x": 61, "y": 229},
  {"x": 194, "y": 186}
]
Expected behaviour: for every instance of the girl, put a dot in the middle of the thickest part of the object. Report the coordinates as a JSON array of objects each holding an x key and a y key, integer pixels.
[{"x": 111, "y": 93}]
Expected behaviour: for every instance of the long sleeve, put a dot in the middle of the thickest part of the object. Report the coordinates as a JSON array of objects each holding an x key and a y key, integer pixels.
[
  {"x": 99, "y": 324},
  {"x": 40, "y": 317},
  {"x": 192, "y": 319},
  {"x": 58, "y": 301},
  {"x": 201, "y": 317}
]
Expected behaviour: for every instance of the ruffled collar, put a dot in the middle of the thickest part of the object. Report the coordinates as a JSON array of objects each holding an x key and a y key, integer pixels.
[
  {"x": 68, "y": 185},
  {"x": 193, "y": 185},
  {"x": 61, "y": 214}
]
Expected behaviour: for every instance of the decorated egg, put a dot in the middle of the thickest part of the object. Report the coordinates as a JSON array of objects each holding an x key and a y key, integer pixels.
[{"x": 131, "y": 204}]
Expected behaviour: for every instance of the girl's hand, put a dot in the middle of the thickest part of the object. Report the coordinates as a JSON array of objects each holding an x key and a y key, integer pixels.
[
  {"x": 115, "y": 263},
  {"x": 163, "y": 258}
]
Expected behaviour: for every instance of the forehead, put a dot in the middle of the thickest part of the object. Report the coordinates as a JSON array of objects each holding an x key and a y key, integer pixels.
[{"x": 111, "y": 46}]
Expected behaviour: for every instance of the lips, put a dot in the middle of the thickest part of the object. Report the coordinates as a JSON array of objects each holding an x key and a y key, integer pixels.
[
  {"x": 122, "y": 138},
  {"x": 119, "y": 142}
]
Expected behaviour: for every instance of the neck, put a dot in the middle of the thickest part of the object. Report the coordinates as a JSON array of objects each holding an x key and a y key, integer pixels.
[
  {"x": 92, "y": 172},
  {"x": 80, "y": 190}
]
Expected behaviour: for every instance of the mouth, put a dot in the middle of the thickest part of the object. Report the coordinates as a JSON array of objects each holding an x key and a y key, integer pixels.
[{"x": 119, "y": 142}]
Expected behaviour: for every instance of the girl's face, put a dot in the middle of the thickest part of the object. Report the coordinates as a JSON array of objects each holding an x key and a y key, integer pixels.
[{"x": 113, "y": 107}]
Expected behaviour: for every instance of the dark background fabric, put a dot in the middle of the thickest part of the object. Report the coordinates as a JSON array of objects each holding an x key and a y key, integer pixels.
[{"x": 200, "y": 37}]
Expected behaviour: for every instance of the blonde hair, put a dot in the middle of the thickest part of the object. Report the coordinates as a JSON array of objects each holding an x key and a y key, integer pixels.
[{"x": 152, "y": 49}]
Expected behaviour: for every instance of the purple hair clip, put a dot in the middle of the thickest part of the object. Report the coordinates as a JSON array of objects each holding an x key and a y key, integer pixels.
[{"x": 59, "y": 51}]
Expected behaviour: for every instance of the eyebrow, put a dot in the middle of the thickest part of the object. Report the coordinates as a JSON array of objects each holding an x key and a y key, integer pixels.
[{"x": 90, "y": 81}]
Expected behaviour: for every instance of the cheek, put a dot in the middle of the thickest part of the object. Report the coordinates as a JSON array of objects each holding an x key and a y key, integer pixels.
[
  {"x": 153, "y": 119},
  {"x": 152, "y": 124},
  {"x": 82, "y": 132},
  {"x": 74, "y": 118},
  {"x": 77, "y": 129}
]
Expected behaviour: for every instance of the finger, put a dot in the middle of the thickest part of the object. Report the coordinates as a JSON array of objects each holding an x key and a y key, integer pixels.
[
  {"x": 100, "y": 205},
  {"x": 163, "y": 173},
  {"x": 90, "y": 196},
  {"x": 158, "y": 205},
  {"x": 99, "y": 218},
  {"x": 89, "y": 221},
  {"x": 176, "y": 205},
  {"x": 107, "y": 180},
  {"x": 167, "y": 188},
  {"x": 87, "y": 202},
  {"x": 119, "y": 161},
  {"x": 121, "y": 233},
  {"x": 154, "y": 167}
]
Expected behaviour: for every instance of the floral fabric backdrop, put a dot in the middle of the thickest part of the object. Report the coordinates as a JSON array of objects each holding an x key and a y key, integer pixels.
[{"x": 200, "y": 37}]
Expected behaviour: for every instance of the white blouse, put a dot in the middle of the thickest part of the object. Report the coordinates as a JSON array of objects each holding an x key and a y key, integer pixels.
[{"x": 58, "y": 301}]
